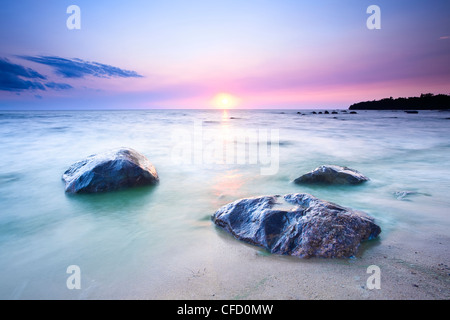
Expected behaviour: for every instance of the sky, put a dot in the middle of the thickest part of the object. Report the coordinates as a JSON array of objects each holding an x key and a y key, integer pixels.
[{"x": 283, "y": 54}]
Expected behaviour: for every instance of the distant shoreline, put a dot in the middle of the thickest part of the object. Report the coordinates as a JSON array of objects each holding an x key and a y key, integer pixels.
[{"x": 426, "y": 101}]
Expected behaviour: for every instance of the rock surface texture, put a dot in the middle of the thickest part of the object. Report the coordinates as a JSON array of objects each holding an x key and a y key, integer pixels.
[
  {"x": 297, "y": 225},
  {"x": 113, "y": 170},
  {"x": 331, "y": 174}
]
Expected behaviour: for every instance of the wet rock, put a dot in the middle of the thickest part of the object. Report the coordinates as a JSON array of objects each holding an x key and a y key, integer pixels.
[
  {"x": 353, "y": 112},
  {"x": 297, "y": 225},
  {"x": 113, "y": 170},
  {"x": 331, "y": 174},
  {"x": 400, "y": 195},
  {"x": 412, "y": 112},
  {"x": 404, "y": 194}
]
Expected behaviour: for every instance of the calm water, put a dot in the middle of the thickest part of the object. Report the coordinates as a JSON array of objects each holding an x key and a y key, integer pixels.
[{"x": 119, "y": 238}]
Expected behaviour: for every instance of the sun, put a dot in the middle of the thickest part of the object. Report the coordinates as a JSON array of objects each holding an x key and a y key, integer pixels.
[{"x": 224, "y": 101}]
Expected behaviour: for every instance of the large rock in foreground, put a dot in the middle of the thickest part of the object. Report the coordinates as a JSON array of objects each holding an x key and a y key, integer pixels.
[
  {"x": 113, "y": 170},
  {"x": 331, "y": 174},
  {"x": 298, "y": 225}
]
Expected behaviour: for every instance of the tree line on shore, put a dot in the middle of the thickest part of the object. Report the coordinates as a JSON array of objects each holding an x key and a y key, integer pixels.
[{"x": 426, "y": 101}]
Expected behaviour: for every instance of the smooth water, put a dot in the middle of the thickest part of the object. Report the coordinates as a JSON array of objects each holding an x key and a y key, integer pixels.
[{"x": 126, "y": 242}]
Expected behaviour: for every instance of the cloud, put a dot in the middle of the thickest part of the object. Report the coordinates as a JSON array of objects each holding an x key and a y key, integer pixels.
[
  {"x": 58, "y": 86},
  {"x": 77, "y": 68},
  {"x": 11, "y": 77},
  {"x": 15, "y": 77},
  {"x": 8, "y": 67},
  {"x": 444, "y": 38}
]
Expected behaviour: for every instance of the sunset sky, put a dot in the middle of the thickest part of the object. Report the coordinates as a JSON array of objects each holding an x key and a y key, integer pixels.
[{"x": 223, "y": 53}]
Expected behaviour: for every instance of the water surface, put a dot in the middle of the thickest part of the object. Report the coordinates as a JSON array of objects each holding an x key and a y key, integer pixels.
[{"x": 123, "y": 239}]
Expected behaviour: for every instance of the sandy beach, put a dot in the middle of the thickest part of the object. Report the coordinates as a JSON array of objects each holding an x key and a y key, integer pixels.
[{"x": 411, "y": 268}]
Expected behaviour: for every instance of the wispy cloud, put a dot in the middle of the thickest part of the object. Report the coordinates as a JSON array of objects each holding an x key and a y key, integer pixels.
[
  {"x": 77, "y": 68},
  {"x": 15, "y": 77},
  {"x": 58, "y": 86},
  {"x": 12, "y": 77},
  {"x": 444, "y": 37}
]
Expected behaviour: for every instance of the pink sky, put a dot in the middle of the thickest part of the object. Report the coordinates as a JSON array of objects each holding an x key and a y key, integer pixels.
[{"x": 263, "y": 54}]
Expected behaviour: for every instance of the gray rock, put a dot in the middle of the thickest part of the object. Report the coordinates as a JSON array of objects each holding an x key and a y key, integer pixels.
[
  {"x": 297, "y": 225},
  {"x": 331, "y": 174},
  {"x": 113, "y": 170}
]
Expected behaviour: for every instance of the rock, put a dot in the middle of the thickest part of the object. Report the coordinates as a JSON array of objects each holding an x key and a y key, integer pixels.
[
  {"x": 113, "y": 170},
  {"x": 402, "y": 195},
  {"x": 334, "y": 112},
  {"x": 297, "y": 225},
  {"x": 326, "y": 112},
  {"x": 331, "y": 174},
  {"x": 353, "y": 112},
  {"x": 412, "y": 112},
  {"x": 314, "y": 112}
]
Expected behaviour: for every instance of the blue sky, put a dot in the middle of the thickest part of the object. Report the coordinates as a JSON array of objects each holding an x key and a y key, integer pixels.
[{"x": 183, "y": 54}]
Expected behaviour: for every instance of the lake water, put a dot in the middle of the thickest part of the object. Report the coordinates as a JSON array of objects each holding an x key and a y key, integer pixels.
[{"x": 126, "y": 243}]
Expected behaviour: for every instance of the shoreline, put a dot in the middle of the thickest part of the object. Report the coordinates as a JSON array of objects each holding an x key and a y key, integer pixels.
[
  {"x": 411, "y": 269},
  {"x": 419, "y": 274}
]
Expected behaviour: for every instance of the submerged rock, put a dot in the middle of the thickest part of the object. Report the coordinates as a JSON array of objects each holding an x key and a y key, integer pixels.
[
  {"x": 402, "y": 195},
  {"x": 331, "y": 174},
  {"x": 297, "y": 225},
  {"x": 113, "y": 170}
]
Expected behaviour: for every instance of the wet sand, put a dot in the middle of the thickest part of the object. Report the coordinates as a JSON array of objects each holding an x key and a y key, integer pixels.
[{"x": 412, "y": 267}]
